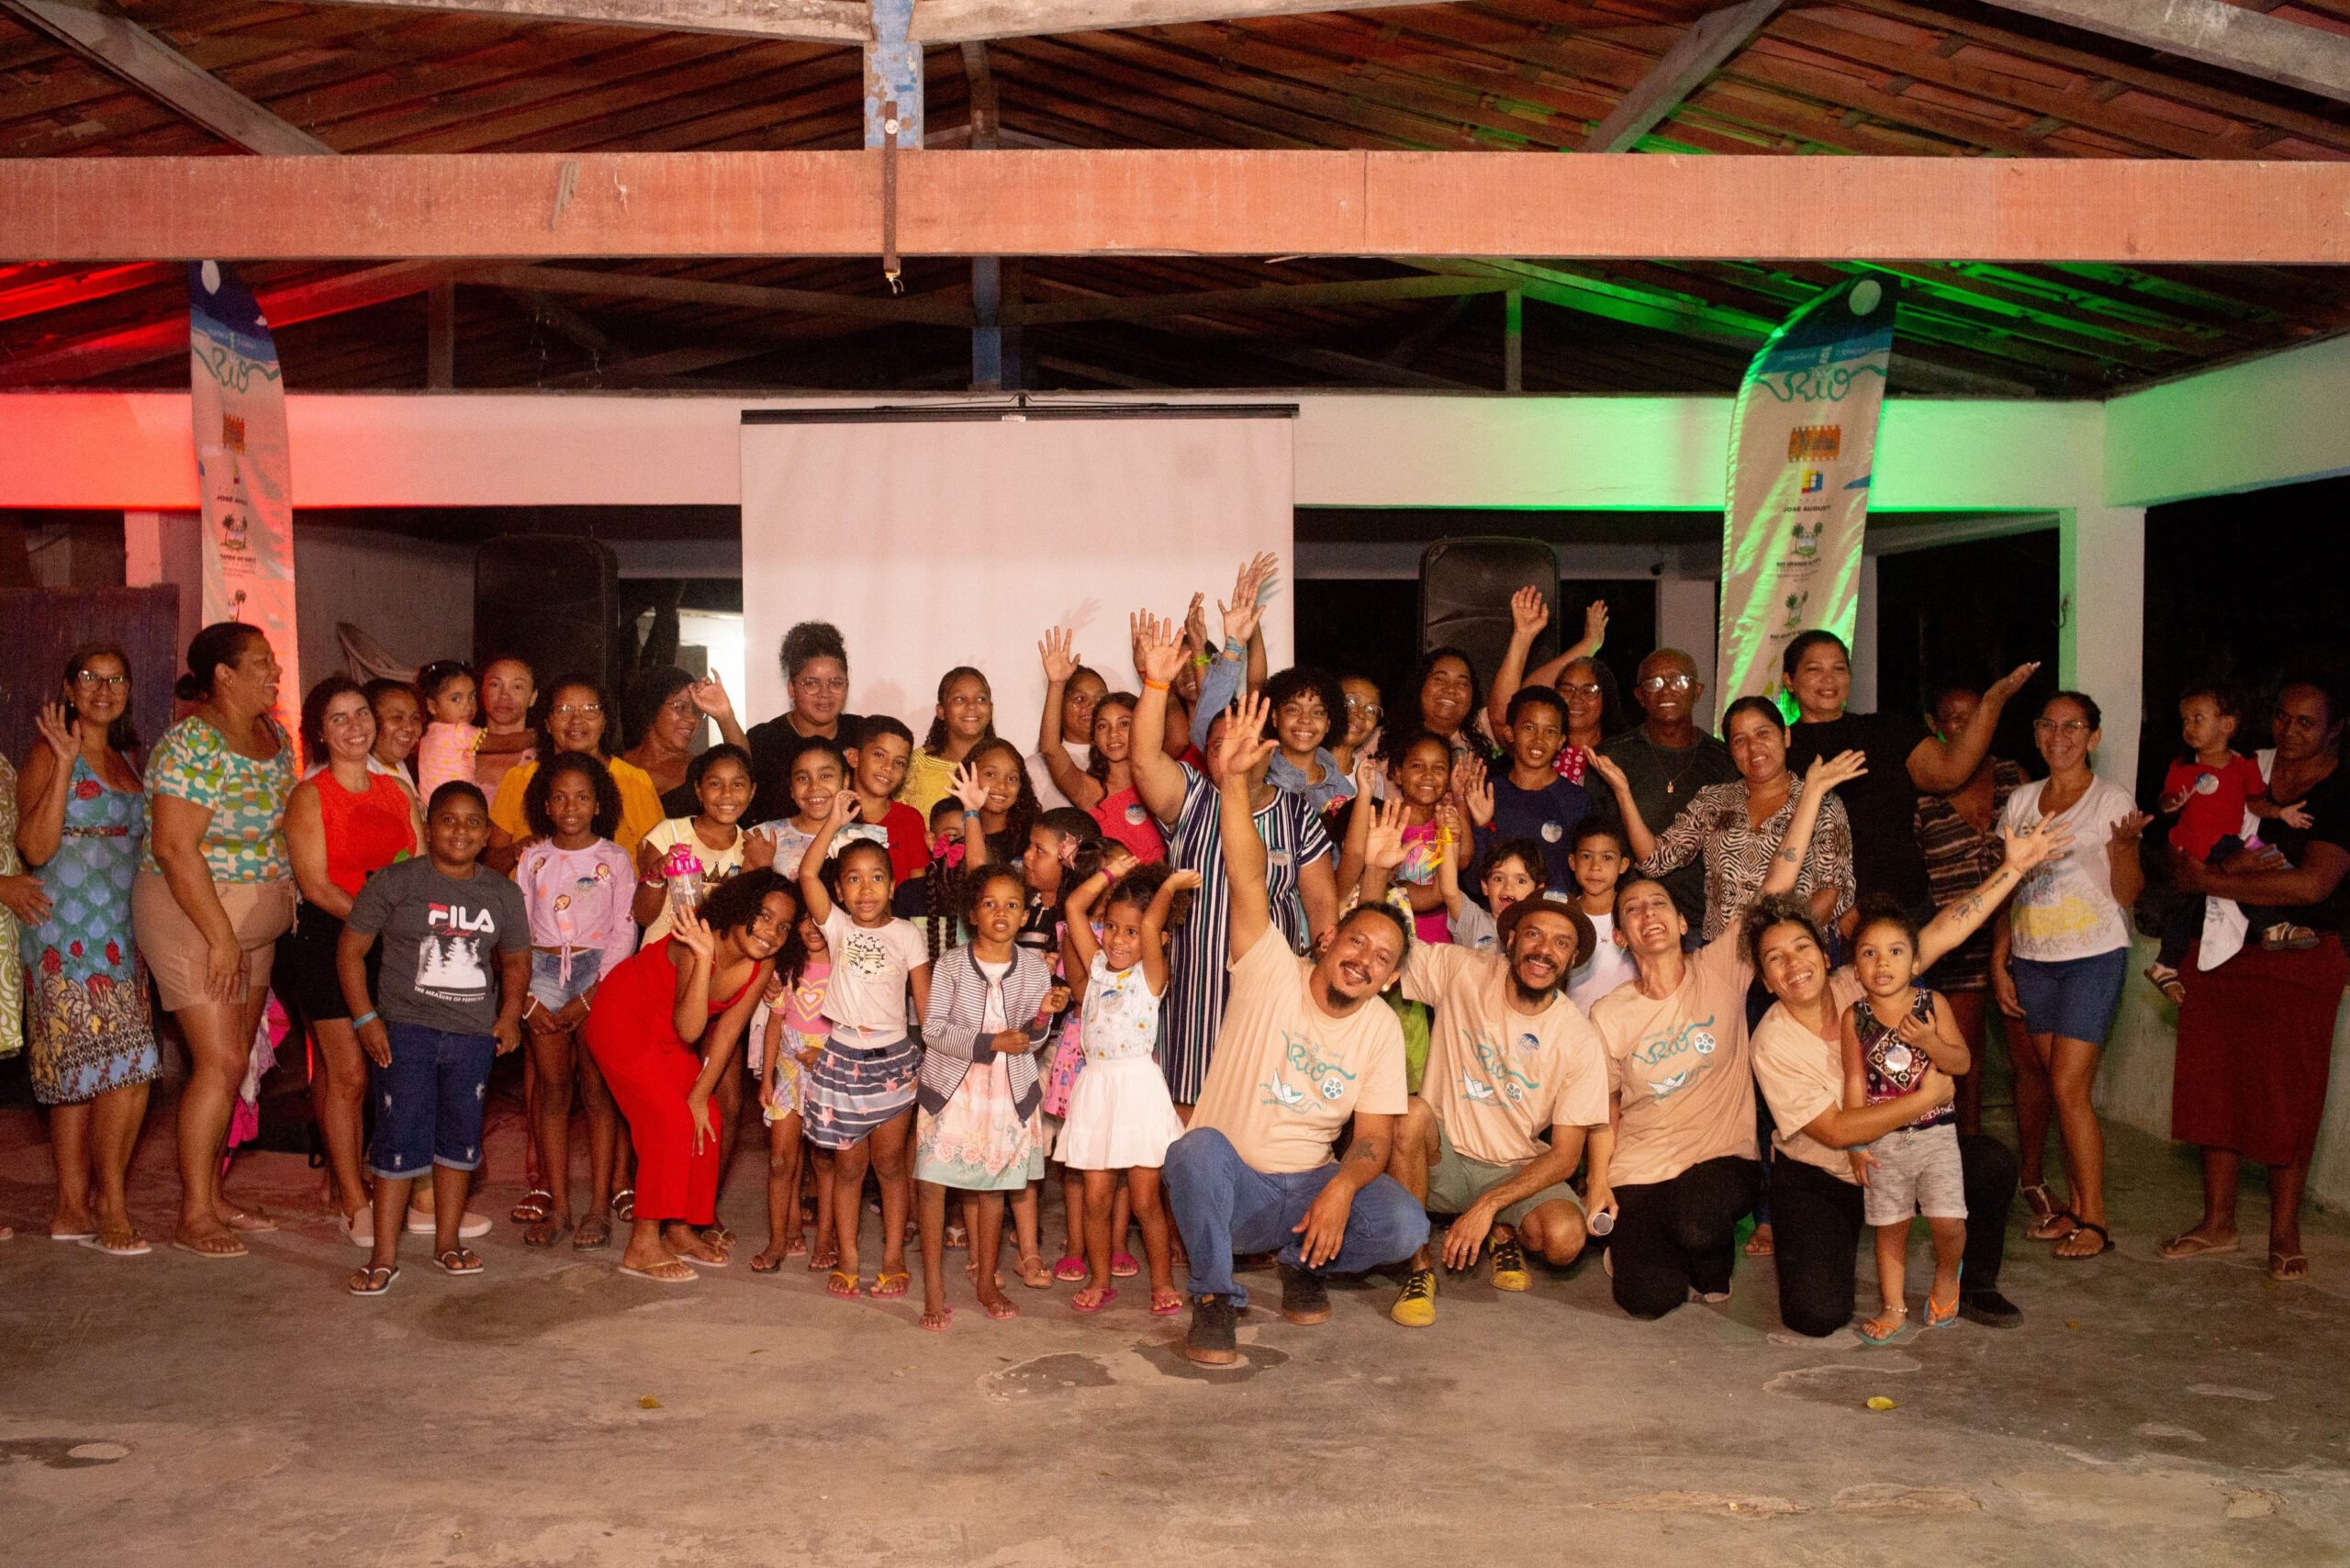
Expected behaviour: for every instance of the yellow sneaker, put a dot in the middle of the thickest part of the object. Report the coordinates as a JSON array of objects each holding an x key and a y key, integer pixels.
[
  {"x": 1415, "y": 1303},
  {"x": 1509, "y": 1267}
]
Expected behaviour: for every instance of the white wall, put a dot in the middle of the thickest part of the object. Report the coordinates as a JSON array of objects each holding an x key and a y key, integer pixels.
[{"x": 2270, "y": 420}]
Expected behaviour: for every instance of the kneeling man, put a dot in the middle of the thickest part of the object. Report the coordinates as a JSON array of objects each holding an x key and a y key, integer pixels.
[
  {"x": 1509, "y": 1058},
  {"x": 1306, "y": 1047}
]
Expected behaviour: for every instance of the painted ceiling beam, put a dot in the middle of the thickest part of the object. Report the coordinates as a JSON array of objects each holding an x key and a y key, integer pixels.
[
  {"x": 2230, "y": 37},
  {"x": 137, "y": 56},
  {"x": 848, "y": 22},
  {"x": 1696, "y": 55}
]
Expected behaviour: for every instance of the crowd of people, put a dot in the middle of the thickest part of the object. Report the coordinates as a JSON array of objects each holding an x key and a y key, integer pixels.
[{"x": 1249, "y": 962}]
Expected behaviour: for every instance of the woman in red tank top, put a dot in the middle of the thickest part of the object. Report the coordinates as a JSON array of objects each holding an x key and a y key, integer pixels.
[
  {"x": 342, "y": 822},
  {"x": 663, "y": 1030}
]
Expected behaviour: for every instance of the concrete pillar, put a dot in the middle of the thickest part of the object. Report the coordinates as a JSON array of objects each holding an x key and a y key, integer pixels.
[
  {"x": 893, "y": 73},
  {"x": 2101, "y": 625},
  {"x": 1687, "y": 616}
]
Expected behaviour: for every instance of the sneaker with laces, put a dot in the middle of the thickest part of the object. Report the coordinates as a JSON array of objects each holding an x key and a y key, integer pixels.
[
  {"x": 1213, "y": 1341},
  {"x": 1303, "y": 1299},
  {"x": 1509, "y": 1266},
  {"x": 1415, "y": 1303}
]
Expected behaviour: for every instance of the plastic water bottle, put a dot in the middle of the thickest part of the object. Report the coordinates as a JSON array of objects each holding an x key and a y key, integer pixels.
[{"x": 682, "y": 869}]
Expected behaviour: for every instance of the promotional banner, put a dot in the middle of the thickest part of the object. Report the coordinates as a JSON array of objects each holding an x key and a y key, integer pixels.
[
  {"x": 1802, "y": 443},
  {"x": 243, "y": 467}
]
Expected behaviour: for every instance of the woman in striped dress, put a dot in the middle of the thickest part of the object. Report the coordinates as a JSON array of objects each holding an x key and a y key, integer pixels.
[{"x": 1300, "y": 871}]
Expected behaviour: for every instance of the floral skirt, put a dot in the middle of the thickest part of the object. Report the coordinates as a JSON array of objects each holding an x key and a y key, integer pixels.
[
  {"x": 90, "y": 1032},
  {"x": 979, "y": 1142}
]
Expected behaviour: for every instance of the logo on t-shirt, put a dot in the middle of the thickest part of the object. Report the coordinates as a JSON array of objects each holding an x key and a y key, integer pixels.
[
  {"x": 1693, "y": 1040},
  {"x": 1324, "y": 1079},
  {"x": 448, "y": 961}
]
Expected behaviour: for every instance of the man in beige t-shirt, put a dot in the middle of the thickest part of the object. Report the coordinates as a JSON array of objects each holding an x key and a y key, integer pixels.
[
  {"x": 1510, "y": 1059},
  {"x": 1307, "y": 1051},
  {"x": 1684, "y": 1166}
]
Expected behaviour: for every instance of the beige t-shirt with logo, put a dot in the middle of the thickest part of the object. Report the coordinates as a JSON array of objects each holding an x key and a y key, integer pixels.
[
  {"x": 1680, "y": 1067},
  {"x": 1497, "y": 1078},
  {"x": 1286, "y": 1076},
  {"x": 1802, "y": 1075}
]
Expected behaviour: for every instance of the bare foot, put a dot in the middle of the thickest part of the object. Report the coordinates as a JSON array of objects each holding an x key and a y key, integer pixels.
[
  {"x": 209, "y": 1241},
  {"x": 238, "y": 1219},
  {"x": 689, "y": 1243},
  {"x": 936, "y": 1318},
  {"x": 1760, "y": 1244}
]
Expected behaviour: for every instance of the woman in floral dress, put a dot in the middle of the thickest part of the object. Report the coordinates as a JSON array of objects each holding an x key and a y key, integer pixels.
[{"x": 83, "y": 814}]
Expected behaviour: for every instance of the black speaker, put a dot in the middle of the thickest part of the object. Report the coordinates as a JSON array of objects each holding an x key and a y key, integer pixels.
[
  {"x": 1465, "y": 588},
  {"x": 552, "y": 599}
]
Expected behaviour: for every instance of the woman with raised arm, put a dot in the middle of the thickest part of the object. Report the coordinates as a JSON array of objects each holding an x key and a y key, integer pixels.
[
  {"x": 1738, "y": 827},
  {"x": 214, "y": 894},
  {"x": 1302, "y": 875},
  {"x": 1817, "y": 1160},
  {"x": 81, "y": 817}
]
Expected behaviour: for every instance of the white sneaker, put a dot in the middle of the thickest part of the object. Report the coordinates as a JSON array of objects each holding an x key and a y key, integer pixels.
[
  {"x": 361, "y": 1227},
  {"x": 422, "y": 1224}
]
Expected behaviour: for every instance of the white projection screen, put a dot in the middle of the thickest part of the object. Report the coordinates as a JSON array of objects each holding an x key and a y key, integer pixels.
[{"x": 937, "y": 538}]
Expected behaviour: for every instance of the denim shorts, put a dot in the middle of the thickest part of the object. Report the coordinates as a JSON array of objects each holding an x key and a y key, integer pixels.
[
  {"x": 428, "y": 1101},
  {"x": 2072, "y": 997},
  {"x": 547, "y": 984}
]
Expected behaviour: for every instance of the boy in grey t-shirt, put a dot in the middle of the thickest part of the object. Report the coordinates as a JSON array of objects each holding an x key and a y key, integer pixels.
[{"x": 455, "y": 972}]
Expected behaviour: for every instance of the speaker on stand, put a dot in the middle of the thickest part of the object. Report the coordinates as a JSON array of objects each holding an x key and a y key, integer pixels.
[
  {"x": 1465, "y": 588},
  {"x": 552, "y": 599}
]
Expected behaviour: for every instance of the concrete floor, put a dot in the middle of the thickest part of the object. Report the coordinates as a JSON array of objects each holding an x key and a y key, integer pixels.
[{"x": 167, "y": 1410}]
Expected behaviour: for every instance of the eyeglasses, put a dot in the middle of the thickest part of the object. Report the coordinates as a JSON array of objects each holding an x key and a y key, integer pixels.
[
  {"x": 578, "y": 710},
  {"x": 1580, "y": 689},
  {"x": 1665, "y": 683},
  {"x": 91, "y": 681},
  {"x": 2051, "y": 726},
  {"x": 1356, "y": 705},
  {"x": 1304, "y": 710},
  {"x": 821, "y": 683}
]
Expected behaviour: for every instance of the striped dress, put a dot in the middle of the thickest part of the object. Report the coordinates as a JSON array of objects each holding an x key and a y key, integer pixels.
[{"x": 1193, "y": 1006}]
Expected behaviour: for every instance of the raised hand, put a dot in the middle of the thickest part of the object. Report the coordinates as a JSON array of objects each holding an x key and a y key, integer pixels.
[
  {"x": 1244, "y": 746},
  {"x": 1159, "y": 651},
  {"x": 2008, "y": 685},
  {"x": 1476, "y": 790},
  {"x": 1240, "y": 617},
  {"x": 1059, "y": 655},
  {"x": 1183, "y": 880},
  {"x": 708, "y": 697},
  {"x": 845, "y": 806},
  {"x": 966, "y": 787},
  {"x": 2027, "y": 847},
  {"x": 1594, "y": 624},
  {"x": 2127, "y": 829},
  {"x": 1196, "y": 622},
  {"x": 694, "y": 933},
  {"x": 1117, "y": 860},
  {"x": 1385, "y": 849},
  {"x": 1528, "y": 612},
  {"x": 1832, "y": 771},
  {"x": 56, "y": 728}
]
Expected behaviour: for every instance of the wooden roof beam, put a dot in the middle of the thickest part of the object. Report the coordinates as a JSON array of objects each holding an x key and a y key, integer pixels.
[
  {"x": 513, "y": 207},
  {"x": 2217, "y": 34},
  {"x": 1696, "y": 55},
  {"x": 129, "y": 51}
]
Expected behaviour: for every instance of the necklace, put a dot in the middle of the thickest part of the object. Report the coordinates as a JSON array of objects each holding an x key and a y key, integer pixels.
[{"x": 1672, "y": 785}]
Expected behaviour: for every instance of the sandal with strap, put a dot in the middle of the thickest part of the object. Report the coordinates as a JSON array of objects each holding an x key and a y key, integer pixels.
[
  {"x": 1940, "y": 1317},
  {"x": 1885, "y": 1326},
  {"x": 891, "y": 1283},
  {"x": 2286, "y": 1268},
  {"x": 374, "y": 1280},
  {"x": 2040, "y": 1202},
  {"x": 546, "y": 1230},
  {"x": 458, "y": 1260},
  {"x": 2165, "y": 980},
  {"x": 1166, "y": 1304},
  {"x": 844, "y": 1285},
  {"x": 624, "y": 1205},
  {"x": 594, "y": 1231},
  {"x": 2085, "y": 1226},
  {"x": 536, "y": 1205},
  {"x": 2046, "y": 1229}
]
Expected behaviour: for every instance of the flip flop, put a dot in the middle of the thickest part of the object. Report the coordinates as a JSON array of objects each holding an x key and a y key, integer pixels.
[
  {"x": 594, "y": 1231},
  {"x": 823, "y": 1257},
  {"x": 531, "y": 1209},
  {"x": 1033, "y": 1274},
  {"x": 2281, "y": 1269},
  {"x": 373, "y": 1285},
  {"x": 1166, "y": 1304},
  {"x": 252, "y": 1225},
  {"x": 891, "y": 1283},
  {"x": 2104, "y": 1240},
  {"x": 545, "y": 1231},
  {"x": 719, "y": 1262},
  {"x": 624, "y": 1205},
  {"x": 210, "y": 1255},
  {"x": 659, "y": 1278},
  {"x": 1109, "y": 1294},
  {"x": 2041, "y": 1231},
  {"x": 1122, "y": 1266},
  {"x": 72, "y": 1235},
  {"x": 1875, "y": 1332},
  {"x": 127, "y": 1244},
  {"x": 1003, "y": 1311},
  {"x": 844, "y": 1285},
  {"x": 2184, "y": 1248},
  {"x": 458, "y": 1260},
  {"x": 766, "y": 1263},
  {"x": 1072, "y": 1268},
  {"x": 945, "y": 1317}
]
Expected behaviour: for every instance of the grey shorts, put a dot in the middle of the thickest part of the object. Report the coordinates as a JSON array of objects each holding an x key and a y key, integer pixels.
[
  {"x": 1458, "y": 1182},
  {"x": 1917, "y": 1172}
]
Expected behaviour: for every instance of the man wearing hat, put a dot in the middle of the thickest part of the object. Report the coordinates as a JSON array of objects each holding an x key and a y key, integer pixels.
[{"x": 1509, "y": 1058}]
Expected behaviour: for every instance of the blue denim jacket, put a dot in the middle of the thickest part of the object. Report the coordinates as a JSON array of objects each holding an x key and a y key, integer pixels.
[{"x": 1219, "y": 689}]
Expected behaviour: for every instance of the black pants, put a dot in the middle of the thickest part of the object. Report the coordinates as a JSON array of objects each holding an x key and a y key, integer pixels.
[
  {"x": 1671, "y": 1236},
  {"x": 1816, "y": 1232}
]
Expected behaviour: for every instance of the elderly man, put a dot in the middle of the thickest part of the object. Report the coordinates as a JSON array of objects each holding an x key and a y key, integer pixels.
[
  {"x": 1509, "y": 1058},
  {"x": 1306, "y": 1048},
  {"x": 1668, "y": 759}
]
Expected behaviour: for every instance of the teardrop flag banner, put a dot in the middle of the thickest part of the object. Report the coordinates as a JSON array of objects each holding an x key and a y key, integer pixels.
[
  {"x": 244, "y": 467},
  {"x": 1802, "y": 446}
]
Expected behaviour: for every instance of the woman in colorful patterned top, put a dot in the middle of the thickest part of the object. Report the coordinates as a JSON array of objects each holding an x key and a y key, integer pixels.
[{"x": 215, "y": 891}]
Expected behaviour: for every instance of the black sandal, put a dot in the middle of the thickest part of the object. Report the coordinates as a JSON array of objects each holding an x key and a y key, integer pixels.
[{"x": 2104, "y": 1240}]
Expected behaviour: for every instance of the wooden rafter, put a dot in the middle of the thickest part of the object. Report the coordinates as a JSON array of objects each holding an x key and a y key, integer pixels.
[
  {"x": 1696, "y": 55},
  {"x": 2230, "y": 37}
]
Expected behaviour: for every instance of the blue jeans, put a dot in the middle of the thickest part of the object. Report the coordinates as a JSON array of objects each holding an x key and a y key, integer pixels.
[
  {"x": 428, "y": 1101},
  {"x": 1223, "y": 1206}
]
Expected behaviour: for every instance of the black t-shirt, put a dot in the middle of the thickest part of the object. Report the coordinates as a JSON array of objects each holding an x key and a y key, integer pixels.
[
  {"x": 775, "y": 747},
  {"x": 2328, "y": 804},
  {"x": 1882, "y": 803},
  {"x": 1663, "y": 780}
]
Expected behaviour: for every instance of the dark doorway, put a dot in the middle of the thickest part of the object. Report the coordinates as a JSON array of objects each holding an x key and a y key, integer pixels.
[{"x": 1970, "y": 613}]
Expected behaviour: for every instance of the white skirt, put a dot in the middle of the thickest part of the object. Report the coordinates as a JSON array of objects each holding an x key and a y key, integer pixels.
[{"x": 1120, "y": 1115}]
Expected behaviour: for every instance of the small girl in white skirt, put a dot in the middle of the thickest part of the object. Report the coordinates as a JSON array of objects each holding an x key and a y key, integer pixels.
[{"x": 1121, "y": 1118}]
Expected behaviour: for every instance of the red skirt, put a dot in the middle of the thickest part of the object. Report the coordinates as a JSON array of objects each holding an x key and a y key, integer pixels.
[
  {"x": 2256, "y": 1042},
  {"x": 632, "y": 1032}
]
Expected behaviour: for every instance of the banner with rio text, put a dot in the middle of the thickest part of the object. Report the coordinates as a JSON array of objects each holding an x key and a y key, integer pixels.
[
  {"x": 244, "y": 467},
  {"x": 1802, "y": 445}
]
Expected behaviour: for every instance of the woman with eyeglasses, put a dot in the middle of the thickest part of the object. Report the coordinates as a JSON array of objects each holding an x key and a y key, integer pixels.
[
  {"x": 82, "y": 815},
  {"x": 2058, "y": 960},
  {"x": 1363, "y": 714},
  {"x": 815, "y": 676},
  {"x": 2255, "y": 1032},
  {"x": 578, "y": 718}
]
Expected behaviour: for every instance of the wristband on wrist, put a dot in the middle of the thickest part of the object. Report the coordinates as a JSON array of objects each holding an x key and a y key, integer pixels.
[
  {"x": 364, "y": 1018},
  {"x": 1150, "y": 685},
  {"x": 1235, "y": 647},
  {"x": 1202, "y": 659}
]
